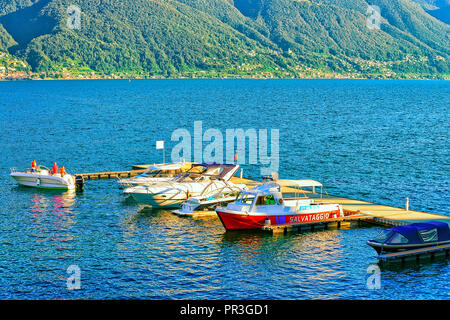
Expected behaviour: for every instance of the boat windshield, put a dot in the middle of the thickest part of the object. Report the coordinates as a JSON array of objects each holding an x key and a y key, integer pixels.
[
  {"x": 187, "y": 177},
  {"x": 151, "y": 173},
  {"x": 398, "y": 238},
  {"x": 383, "y": 236},
  {"x": 245, "y": 198}
]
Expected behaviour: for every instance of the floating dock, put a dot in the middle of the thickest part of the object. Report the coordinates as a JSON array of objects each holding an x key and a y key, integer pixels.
[
  {"x": 416, "y": 255},
  {"x": 315, "y": 226},
  {"x": 354, "y": 210},
  {"x": 385, "y": 215}
]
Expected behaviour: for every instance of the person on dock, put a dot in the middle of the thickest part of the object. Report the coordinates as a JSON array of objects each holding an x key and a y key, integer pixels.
[
  {"x": 33, "y": 166},
  {"x": 54, "y": 168},
  {"x": 62, "y": 171}
]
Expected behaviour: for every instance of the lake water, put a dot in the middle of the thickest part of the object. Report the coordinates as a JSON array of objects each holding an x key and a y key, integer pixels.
[{"x": 380, "y": 141}]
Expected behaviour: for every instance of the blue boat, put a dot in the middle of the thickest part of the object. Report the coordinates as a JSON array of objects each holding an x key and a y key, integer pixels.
[{"x": 412, "y": 236}]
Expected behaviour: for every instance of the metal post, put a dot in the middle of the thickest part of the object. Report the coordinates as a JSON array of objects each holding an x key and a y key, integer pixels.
[
  {"x": 242, "y": 171},
  {"x": 407, "y": 204}
]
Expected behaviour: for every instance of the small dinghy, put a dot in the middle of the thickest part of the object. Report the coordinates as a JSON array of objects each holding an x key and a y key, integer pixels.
[
  {"x": 44, "y": 179},
  {"x": 411, "y": 236}
]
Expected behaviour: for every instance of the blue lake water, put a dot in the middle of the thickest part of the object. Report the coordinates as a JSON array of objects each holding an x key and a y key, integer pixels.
[{"x": 380, "y": 141}]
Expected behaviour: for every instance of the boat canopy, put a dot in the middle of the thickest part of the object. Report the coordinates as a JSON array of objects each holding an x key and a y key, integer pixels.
[
  {"x": 425, "y": 231},
  {"x": 415, "y": 233}
]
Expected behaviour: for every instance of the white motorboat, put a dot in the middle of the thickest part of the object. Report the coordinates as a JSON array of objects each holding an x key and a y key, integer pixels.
[
  {"x": 201, "y": 180},
  {"x": 156, "y": 173},
  {"x": 43, "y": 178}
]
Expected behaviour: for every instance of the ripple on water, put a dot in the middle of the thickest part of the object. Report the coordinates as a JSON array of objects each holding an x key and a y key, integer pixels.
[{"x": 380, "y": 141}]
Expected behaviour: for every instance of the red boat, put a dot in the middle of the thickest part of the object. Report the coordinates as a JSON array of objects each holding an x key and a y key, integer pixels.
[{"x": 264, "y": 205}]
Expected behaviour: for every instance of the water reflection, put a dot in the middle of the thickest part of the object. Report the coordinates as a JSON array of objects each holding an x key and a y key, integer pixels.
[
  {"x": 298, "y": 260},
  {"x": 52, "y": 217},
  {"x": 177, "y": 255},
  {"x": 426, "y": 265}
]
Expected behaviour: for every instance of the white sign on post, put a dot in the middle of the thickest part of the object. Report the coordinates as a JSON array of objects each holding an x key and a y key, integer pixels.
[{"x": 160, "y": 144}]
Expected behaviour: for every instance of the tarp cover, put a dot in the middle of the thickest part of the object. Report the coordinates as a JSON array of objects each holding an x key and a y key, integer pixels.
[{"x": 411, "y": 231}]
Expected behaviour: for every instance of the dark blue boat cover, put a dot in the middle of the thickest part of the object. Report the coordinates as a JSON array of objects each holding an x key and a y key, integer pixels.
[{"x": 411, "y": 231}]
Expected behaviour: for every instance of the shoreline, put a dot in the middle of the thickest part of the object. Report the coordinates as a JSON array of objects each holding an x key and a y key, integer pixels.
[{"x": 225, "y": 77}]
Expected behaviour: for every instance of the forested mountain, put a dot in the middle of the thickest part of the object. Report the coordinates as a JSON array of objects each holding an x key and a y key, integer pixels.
[{"x": 217, "y": 38}]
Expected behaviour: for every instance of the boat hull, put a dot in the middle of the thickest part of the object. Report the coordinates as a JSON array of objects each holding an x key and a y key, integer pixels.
[
  {"x": 195, "y": 213},
  {"x": 233, "y": 220},
  {"x": 379, "y": 247},
  {"x": 158, "y": 200},
  {"x": 44, "y": 181}
]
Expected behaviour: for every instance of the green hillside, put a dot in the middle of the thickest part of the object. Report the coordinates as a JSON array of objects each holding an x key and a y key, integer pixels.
[{"x": 217, "y": 38}]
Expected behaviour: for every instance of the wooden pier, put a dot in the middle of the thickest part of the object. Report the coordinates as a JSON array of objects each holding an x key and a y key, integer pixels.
[
  {"x": 315, "y": 226},
  {"x": 136, "y": 170},
  {"x": 110, "y": 174},
  {"x": 385, "y": 215}
]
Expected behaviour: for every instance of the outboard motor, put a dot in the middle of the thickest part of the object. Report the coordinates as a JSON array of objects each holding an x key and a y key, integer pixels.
[{"x": 79, "y": 183}]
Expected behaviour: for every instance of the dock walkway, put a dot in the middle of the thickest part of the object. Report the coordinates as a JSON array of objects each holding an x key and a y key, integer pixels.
[
  {"x": 110, "y": 174},
  {"x": 385, "y": 215}
]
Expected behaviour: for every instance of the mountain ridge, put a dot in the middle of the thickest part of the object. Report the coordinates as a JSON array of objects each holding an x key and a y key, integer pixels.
[{"x": 221, "y": 38}]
